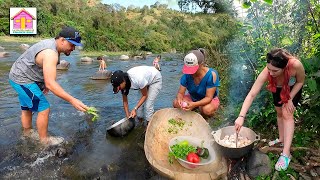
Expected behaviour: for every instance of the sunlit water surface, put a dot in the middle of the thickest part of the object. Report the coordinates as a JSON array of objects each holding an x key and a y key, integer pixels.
[{"x": 89, "y": 152}]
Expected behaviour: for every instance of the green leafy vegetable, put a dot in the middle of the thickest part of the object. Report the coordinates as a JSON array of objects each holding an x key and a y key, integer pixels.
[
  {"x": 94, "y": 112},
  {"x": 180, "y": 150},
  {"x": 175, "y": 125}
]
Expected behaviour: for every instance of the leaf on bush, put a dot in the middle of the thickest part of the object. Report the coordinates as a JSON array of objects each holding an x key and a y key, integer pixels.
[{"x": 268, "y": 1}]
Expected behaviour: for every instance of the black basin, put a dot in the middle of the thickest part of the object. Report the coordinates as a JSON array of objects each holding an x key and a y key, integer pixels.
[{"x": 121, "y": 128}]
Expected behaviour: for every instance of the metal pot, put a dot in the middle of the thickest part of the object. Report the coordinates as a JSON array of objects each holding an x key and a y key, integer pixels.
[
  {"x": 230, "y": 152},
  {"x": 122, "y": 127}
]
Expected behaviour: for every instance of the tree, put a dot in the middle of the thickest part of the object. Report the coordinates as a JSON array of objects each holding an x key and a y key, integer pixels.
[{"x": 207, "y": 6}]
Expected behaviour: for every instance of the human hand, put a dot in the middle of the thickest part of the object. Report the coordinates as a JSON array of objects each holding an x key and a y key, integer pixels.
[
  {"x": 238, "y": 123},
  {"x": 133, "y": 114},
  {"x": 79, "y": 105},
  {"x": 45, "y": 91},
  {"x": 289, "y": 107},
  {"x": 188, "y": 106}
]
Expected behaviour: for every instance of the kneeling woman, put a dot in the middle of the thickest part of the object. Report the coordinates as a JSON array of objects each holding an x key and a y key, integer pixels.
[
  {"x": 147, "y": 79},
  {"x": 202, "y": 85},
  {"x": 285, "y": 76}
]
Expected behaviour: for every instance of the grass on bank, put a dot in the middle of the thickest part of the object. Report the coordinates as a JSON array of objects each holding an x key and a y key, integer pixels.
[
  {"x": 35, "y": 39},
  {"x": 22, "y": 39}
]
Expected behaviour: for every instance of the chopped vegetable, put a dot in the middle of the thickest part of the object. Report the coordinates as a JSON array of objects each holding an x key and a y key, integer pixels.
[
  {"x": 202, "y": 151},
  {"x": 180, "y": 151},
  {"x": 193, "y": 157},
  {"x": 175, "y": 125},
  {"x": 184, "y": 143},
  {"x": 94, "y": 112}
]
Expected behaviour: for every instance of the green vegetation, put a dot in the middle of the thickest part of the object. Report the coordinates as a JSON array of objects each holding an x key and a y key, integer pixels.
[
  {"x": 292, "y": 25},
  {"x": 94, "y": 112},
  {"x": 180, "y": 150},
  {"x": 111, "y": 28}
]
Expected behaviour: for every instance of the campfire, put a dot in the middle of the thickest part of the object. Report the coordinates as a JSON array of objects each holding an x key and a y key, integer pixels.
[{"x": 237, "y": 168}]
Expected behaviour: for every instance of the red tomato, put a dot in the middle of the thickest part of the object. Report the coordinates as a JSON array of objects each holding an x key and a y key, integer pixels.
[{"x": 193, "y": 157}]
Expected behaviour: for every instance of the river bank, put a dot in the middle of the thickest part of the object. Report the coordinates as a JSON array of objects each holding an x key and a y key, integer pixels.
[{"x": 34, "y": 39}]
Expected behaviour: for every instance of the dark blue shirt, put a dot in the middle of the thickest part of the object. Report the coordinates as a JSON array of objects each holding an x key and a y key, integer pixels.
[{"x": 198, "y": 92}]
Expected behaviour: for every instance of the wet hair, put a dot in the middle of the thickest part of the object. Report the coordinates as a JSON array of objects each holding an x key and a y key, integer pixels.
[
  {"x": 159, "y": 56},
  {"x": 99, "y": 58},
  {"x": 279, "y": 58}
]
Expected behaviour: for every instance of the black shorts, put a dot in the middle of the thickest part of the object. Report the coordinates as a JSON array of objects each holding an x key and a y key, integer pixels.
[{"x": 277, "y": 99}]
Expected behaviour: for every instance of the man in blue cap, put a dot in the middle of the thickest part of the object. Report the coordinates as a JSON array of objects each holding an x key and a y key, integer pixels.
[{"x": 33, "y": 75}]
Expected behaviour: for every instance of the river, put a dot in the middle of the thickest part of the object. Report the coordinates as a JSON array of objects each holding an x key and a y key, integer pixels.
[{"x": 89, "y": 152}]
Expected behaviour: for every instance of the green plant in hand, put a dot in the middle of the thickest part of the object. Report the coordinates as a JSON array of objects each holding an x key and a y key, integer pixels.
[
  {"x": 180, "y": 150},
  {"x": 94, "y": 112}
]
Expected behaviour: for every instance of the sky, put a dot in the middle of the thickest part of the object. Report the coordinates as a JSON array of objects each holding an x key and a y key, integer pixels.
[{"x": 173, "y": 4}]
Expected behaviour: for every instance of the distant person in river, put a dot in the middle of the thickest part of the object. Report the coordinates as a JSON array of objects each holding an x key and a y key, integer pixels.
[
  {"x": 156, "y": 62},
  {"x": 285, "y": 77},
  {"x": 144, "y": 78},
  {"x": 202, "y": 85},
  {"x": 34, "y": 74},
  {"x": 103, "y": 64}
]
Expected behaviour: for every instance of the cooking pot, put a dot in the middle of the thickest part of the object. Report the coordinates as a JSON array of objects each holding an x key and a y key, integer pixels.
[
  {"x": 121, "y": 128},
  {"x": 232, "y": 152}
]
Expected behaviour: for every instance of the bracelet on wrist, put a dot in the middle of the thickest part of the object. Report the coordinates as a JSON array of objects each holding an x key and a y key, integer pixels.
[{"x": 135, "y": 108}]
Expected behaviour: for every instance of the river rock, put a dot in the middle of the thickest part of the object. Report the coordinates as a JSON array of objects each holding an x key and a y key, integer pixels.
[
  {"x": 258, "y": 164},
  {"x": 86, "y": 59},
  {"x": 1, "y": 48},
  {"x": 102, "y": 75},
  {"x": 138, "y": 57},
  {"x": 64, "y": 65},
  {"x": 4, "y": 54},
  {"x": 24, "y": 47},
  {"x": 124, "y": 57}
]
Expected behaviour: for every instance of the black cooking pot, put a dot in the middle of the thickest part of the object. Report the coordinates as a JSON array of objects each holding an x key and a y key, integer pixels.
[
  {"x": 122, "y": 127},
  {"x": 232, "y": 152}
]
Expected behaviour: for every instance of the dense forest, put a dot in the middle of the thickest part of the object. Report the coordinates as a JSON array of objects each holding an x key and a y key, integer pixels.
[{"x": 263, "y": 25}]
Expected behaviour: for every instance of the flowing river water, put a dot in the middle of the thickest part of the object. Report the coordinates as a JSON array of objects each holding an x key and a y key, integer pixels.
[{"x": 88, "y": 152}]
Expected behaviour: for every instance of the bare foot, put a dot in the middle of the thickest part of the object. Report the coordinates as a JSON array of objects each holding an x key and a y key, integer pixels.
[{"x": 52, "y": 141}]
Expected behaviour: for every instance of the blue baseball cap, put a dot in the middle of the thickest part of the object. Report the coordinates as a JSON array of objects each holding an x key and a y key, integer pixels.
[{"x": 71, "y": 35}]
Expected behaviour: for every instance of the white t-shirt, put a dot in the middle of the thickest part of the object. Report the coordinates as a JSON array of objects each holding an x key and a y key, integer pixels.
[{"x": 141, "y": 76}]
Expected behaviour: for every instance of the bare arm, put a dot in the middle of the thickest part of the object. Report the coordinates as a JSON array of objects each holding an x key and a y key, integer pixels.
[
  {"x": 125, "y": 104},
  {"x": 144, "y": 92},
  {"x": 180, "y": 94},
  {"x": 262, "y": 78},
  {"x": 49, "y": 64},
  {"x": 300, "y": 77}
]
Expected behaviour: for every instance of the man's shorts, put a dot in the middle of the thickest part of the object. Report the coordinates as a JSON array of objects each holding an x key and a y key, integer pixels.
[{"x": 30, "y": 97}]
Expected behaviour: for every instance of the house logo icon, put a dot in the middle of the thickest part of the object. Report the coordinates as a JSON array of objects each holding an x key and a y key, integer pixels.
[{"x": 23, "y": 20}]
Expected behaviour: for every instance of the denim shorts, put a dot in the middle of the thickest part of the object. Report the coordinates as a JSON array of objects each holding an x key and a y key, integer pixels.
[{"x": 30, "y": 97}]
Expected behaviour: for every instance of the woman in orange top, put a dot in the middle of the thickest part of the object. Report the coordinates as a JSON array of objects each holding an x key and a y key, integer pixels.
[{"x": 285, "y": 76}]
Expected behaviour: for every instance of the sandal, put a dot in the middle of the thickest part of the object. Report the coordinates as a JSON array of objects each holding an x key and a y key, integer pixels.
[
  {"x": 276, "y": 142},
  {"x": 283, "y": 162}
]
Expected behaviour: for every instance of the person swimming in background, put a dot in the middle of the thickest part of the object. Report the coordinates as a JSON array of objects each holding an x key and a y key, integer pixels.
[
  {"x": 156, "y": 62},
  {"x": 103, "y": 64}
]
